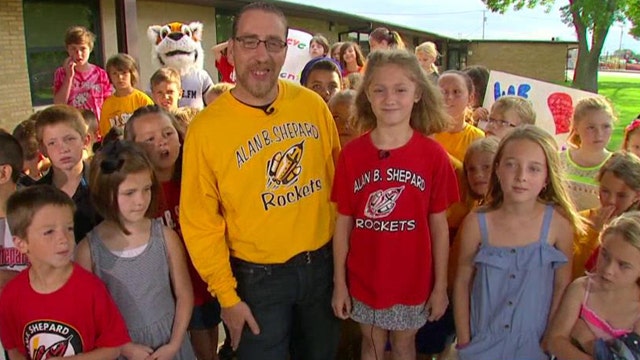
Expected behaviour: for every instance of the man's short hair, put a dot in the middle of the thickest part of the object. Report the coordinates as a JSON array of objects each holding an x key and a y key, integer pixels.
[
  {"x": 23, "y": 205},
  {"x": 262, "y": 6}
]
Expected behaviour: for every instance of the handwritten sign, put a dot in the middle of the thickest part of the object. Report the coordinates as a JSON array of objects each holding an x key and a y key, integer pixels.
[
  {"x": 552, "y": 103},
  {"x": 297, "y": 55}
]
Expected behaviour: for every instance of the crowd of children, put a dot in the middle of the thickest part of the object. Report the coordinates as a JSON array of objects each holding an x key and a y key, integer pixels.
[{"x": 455, "y": 223}]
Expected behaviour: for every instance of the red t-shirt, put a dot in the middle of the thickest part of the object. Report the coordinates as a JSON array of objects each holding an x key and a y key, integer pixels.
[
  {"x": 168, "y": 210},
  {"x": 226, "y": 70},
  {"x": 390, "y": 195},
  {"x": 77, "y": 318}
]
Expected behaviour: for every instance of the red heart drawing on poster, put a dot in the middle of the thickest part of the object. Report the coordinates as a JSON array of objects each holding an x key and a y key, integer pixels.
[{"x": 561, "y": 106}]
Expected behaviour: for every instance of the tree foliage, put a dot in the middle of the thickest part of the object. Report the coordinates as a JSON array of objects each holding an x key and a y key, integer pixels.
[{"x": 592, "y": 20}]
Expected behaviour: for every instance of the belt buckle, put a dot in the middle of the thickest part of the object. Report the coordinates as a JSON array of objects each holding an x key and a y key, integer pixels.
[{"x": 307, "y": 257}]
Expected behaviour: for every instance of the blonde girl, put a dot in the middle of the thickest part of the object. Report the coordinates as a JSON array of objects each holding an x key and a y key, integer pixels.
[
  {"x": 427, "y": 54},
  {"x": 141, "y": 261},
  {"x": 619, "y": 192},
  {"x": 391, "y": 239},
  {"x": 351, "y": 58},
  {"x": 512, "y": 267},
  {"x": 631, "y": 140},
  {"x": 476, "y": 174},
  {"x": 457, "y": 89},
  {"x": 605, "y": 304},
  {"x": 591, "y": 128}
]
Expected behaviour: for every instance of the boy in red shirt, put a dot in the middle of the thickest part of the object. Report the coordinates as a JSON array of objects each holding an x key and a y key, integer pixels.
[{"x": 54, "y": 308}]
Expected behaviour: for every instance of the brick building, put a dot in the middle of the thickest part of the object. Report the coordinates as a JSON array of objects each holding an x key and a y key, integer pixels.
[
  {"x": 15, "y": 94},
  {"x": 523, "y": 58}
]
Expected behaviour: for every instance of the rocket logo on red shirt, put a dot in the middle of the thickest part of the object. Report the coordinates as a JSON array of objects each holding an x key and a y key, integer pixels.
[
  {"x": 382, "y": 202},
  {"x": 46, "y": 339}
]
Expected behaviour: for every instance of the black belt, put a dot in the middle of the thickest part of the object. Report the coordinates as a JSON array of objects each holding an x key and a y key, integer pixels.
[{"x": 303, "y": 258}]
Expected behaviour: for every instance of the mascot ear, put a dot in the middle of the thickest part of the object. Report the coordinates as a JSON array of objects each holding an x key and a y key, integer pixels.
[
  {"x": 196, "y": 30},
  {"x": 153, "y": 33}
]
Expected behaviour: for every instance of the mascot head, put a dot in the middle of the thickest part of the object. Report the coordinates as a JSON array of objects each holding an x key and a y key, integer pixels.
[{"x": 177, "y": 45}]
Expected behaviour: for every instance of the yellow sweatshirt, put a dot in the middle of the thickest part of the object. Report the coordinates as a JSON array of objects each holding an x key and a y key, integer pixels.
[
  {"x": 116, "y": 110},
  {"x": 256, "y": 184},
  {"x": 457, "y": 143}
]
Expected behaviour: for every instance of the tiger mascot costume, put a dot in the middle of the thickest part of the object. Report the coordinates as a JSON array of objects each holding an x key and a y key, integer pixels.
[{"x": 178, "y": 45}]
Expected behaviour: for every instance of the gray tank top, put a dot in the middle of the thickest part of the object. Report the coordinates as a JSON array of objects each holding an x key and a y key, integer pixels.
[{"x": 140, "y": 286}]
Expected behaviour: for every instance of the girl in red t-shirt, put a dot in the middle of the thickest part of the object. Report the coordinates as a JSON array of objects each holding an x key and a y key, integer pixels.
[{"x": 392, "y": 188}]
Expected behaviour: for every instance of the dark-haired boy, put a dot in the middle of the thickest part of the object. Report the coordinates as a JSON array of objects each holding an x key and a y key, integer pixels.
[
  {"x": 11, "y": 261},
  {"x": 54, "y": 308}
]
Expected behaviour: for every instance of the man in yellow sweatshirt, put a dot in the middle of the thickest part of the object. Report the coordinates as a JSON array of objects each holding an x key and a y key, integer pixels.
[{"x": 255, "y": 207}]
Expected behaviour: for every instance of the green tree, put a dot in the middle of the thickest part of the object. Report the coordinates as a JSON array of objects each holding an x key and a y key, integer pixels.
[{"x": 592, "y": 20}]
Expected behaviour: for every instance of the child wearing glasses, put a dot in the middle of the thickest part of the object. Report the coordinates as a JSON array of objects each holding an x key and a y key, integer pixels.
[{"x": 507, "y": 113}]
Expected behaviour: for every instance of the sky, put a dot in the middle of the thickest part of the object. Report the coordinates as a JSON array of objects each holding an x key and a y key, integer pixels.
[{"x": 463, "y": 19}]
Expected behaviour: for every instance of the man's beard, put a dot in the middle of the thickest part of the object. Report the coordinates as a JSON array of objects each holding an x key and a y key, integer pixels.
[{"x": 259, "y": 89}]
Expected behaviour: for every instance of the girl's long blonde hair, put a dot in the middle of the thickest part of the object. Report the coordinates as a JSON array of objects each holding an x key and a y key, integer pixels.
[
  {"x": 554, "y": 192},
  {"x": 427, "y": 115}
]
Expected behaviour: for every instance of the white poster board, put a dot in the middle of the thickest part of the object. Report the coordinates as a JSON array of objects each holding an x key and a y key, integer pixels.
[
  {"x": 297, "y": 55},
  {"x": 552, "y": 103}
]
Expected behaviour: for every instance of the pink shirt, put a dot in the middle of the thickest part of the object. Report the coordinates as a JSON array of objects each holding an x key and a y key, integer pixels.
[{"x": 88, "y": 90}]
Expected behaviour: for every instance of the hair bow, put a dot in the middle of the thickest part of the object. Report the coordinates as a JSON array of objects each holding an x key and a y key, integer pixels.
[
  {"x": 634, "y": 125},
  {"x": 112, "y": 161}
]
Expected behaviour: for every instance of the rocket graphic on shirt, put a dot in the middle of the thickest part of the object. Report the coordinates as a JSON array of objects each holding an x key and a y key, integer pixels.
[{"x": 45, "y": 339}]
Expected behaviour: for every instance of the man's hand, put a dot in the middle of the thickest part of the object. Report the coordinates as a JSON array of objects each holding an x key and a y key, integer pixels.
[{"x": 235, "y": 317}]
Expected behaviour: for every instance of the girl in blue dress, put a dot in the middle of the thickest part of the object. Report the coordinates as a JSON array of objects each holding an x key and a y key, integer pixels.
[{"x": 512, "y": 268}]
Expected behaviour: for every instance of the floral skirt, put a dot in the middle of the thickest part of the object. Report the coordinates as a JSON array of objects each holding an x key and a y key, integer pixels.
[{"x": 395, "y": 318}]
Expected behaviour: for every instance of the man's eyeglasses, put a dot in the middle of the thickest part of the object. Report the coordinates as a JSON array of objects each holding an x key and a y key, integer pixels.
[
  {"x": 272, "y": 45},
  {"x": 499, "y": 123}
]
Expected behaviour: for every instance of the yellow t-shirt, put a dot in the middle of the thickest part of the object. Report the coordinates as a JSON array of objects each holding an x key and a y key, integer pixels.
[
  {"x": 457, "y": 143},
  {"x": 584, "y": 246},
  {"x": 116, "y": 110},
  {"x": 256, "y": 184}
]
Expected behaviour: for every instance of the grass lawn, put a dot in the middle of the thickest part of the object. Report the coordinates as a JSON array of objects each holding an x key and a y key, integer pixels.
[{"x": 624, "y": 92}]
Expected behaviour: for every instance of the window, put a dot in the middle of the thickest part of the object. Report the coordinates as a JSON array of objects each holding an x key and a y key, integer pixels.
[
  {"x": 360, "y": 38},
  {"x": 45, "y": 23}
]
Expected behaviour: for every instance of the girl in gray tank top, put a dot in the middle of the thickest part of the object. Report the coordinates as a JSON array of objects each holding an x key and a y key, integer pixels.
[{"x": 141, "y": 261}]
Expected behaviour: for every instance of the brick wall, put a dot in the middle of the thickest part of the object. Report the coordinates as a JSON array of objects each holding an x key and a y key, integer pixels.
[
  {"x": 542, "y": 61},
  {"x": 15, "y": 94}
]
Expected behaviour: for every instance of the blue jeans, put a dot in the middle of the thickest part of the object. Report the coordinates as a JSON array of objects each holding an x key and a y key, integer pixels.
[{"x": 292, "y": 304}]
